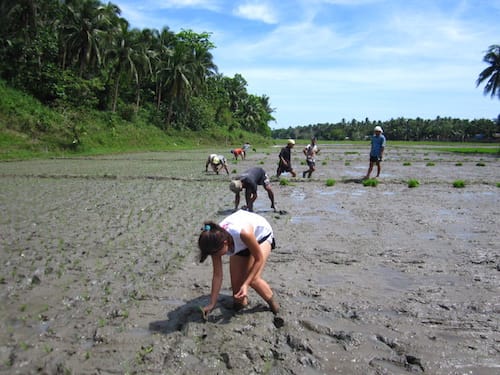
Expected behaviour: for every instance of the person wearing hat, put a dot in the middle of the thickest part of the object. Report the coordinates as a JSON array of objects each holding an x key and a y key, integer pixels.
[
  {"x": 249, "y": 180},
  {"x": 376, "y": 151},
  {"x": 217, "y": 162},
  {"x": 285, "y": 162},
  {"x": 310, "y": 152}
]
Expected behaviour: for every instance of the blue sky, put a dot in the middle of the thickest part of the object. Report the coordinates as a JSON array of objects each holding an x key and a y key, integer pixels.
[{"x": 326, "y": 60}]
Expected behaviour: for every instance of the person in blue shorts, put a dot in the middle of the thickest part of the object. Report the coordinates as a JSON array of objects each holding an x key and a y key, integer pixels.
[{"x": 376, "y": 151}]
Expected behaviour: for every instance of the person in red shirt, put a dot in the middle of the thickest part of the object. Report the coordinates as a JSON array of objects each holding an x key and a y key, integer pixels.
[{"x": 238, "y": 152}]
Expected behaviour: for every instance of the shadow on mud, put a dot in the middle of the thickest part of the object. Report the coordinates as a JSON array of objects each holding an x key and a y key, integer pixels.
[
  {"x": 226, "y": 212},
  {"x": 180, "y": 318},
  {"x": 261, "y": 212}
]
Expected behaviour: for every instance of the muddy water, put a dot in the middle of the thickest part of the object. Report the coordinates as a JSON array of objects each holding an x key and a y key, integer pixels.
[{"x": 100, "y": 273}]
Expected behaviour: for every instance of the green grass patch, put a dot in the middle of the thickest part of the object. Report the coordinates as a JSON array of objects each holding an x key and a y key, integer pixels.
[
  {"x": 473, "y": 150},
  {"x": 413, "y": 183},
  {"x": 28, "y": 130},
  {"x": 459, "y": 164},
  {"x": 458, "y": 184},
  {"x": 430, "y": 164},
  {"x": 406, "y": 163},
  {"x": 498, "y": 184},
  {"x": 480, "y": 164}
]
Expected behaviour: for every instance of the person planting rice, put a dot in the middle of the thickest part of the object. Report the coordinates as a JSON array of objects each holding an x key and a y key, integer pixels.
[
  {"x": 249, "y": 180},
  {"x": 216, "y": 162},
  {"x": 248, "y": 239},
  {"x": 238, "y": 152}
]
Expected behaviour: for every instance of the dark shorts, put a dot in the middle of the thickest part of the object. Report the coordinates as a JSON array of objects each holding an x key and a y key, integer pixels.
[
  {"x": 285, "y": 168},
  {"x": 374, "y": 159},
  {"x": 311, "y": 163},
  {"x": 246, "y": 252}
]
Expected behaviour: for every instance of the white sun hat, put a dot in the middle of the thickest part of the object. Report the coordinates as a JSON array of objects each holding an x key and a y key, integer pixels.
[{"x": 236, "y": 186}]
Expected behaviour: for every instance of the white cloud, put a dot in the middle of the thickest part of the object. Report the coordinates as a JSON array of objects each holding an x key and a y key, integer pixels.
[
  {"x": 258, "y": 12},
  {"x": 204, "y": 4}
]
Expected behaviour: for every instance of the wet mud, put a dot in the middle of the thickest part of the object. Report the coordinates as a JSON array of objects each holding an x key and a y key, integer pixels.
[{"x": 100, "y": 271}]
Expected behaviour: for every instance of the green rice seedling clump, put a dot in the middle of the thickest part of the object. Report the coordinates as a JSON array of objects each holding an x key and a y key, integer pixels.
[
  {"x": 373, "y": 182},
  {"x": 284, "y": 182},
  {"x": 330, "y": 182},
  {"x": 458, "y": 184},
  {"x": 412, "y": 183}
]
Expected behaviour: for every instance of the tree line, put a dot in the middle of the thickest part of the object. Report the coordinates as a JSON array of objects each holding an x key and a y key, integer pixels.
[
  {"x": 438, "y": 129},
  {"x": 83, "y": 54}
]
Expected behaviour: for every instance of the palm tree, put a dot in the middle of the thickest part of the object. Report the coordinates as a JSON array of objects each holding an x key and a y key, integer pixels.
[
  {"x": 143, "y": 56},
  {"x": 123, "y": 57},
  {"x": 163, "y": 50},
  {"x": 491, "y": 73},
  {"x": 86, "y": 25},
  {"x": 236, "y": 88},
  {"x": 187, "y": 69}
]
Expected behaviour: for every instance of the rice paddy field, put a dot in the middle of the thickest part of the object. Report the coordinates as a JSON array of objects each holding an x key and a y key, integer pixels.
[{"x": 100, "y": 273}]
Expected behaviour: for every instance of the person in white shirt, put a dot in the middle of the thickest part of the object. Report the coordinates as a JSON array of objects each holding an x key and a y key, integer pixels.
[
  {"x": 310, "y": 152},
  {"x": 216, "y": 162},
  {"x": 248, "y": 239}
]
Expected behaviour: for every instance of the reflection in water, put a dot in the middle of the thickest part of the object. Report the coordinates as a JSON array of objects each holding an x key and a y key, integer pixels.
[
  {"x": 298, "y": 195},
  {"x": 358, "y": 192}
]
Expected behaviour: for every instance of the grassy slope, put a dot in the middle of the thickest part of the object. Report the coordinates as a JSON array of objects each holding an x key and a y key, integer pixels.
[{"x": 28, "y": 129}]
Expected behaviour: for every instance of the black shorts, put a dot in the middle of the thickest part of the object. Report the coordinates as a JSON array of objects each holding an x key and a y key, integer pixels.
[
  {"x": 285, "y": 168},
  {"x": 246, "y": 252},
  {"x": 375, "y": 159}
]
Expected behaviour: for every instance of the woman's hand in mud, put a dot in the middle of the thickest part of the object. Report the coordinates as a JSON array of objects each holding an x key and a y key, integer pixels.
[
  {"x": 242, "y": 293},
  {"x": 205, "y": 311}
]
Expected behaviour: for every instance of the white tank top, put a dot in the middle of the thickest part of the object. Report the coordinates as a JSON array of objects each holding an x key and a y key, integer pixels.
[{"x": 235, "y": 222}]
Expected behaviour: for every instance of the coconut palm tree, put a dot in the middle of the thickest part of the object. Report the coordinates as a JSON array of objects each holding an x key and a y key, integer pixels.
[
  {"x": 86, "y": 25},
  {"x": 163, "y": 50},
  {"x": 124, "y": 57},
  {"x": 187, "y": 70},
  {"x": 492, "y": 72}
]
